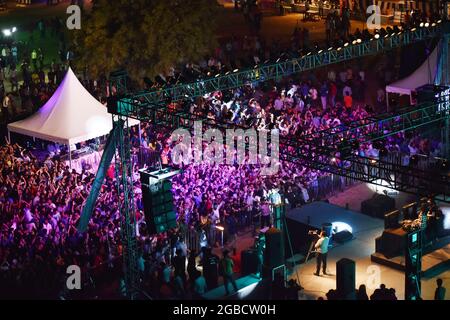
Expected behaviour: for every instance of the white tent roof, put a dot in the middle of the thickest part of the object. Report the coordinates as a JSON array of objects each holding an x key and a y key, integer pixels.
[
  {"x": 425, "y": 74},
  {"x": 70, "y": 116}
]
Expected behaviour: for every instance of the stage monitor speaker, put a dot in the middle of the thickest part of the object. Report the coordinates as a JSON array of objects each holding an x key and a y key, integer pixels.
[
  {"x": 274, "y": 252},
  {"x": 343, "y": 236},
  {"x": 410, "y": 211},
  {"x": 378, "y": 206},
  {"x": 391, "y": 220},
  {"x": 345, "y": 279},
  {"x": 112, "y": 104},
  {"x": 249, "y": 262}
]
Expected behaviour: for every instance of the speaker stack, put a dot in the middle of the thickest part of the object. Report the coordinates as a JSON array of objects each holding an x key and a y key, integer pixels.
[
  {"x": 249, "y": 262},
  {"x": 345, "y": 279},
  {"x": 273, "y": 256},
  {"x": 158, "y": 202}
]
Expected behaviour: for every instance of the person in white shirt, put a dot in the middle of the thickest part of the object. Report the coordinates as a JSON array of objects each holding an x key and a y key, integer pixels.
[
  {"x": 293, "y": 90},
  {"x": 47, "y": 226},
  {"x": 215, "y": 217},
  {"x": 321, "y": 247}
]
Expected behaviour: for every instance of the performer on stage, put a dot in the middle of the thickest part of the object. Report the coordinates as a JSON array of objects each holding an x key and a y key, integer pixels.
[{"x": 322, "y": 251}]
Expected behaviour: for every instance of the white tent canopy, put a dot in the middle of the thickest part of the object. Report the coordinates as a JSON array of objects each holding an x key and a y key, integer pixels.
[
  {"x": 425, "y": 74},
  {"x": 70, "y": 116}
]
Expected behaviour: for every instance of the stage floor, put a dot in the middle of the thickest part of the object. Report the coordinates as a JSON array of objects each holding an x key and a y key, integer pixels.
[
  {"x": 365, "y": 230},
  {"x": 317, "y": 213}
]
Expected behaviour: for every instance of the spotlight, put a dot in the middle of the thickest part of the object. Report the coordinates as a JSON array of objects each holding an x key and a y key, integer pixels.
[
  {"x": 413, "y": 29},
  {"x": 346, "y": 44},
  {"x": 217, "y": 75},
  {"x": 359, "y": 40},
  {"x": 377, "y": 36},
  {"x": 235, "y": 70},
  {"x": 330, "y": 48},
  {"x": 427, "y": 24},
  {"x": 354, "y": 42},
  {"x": 433, "y": 24},
  {"x": 7, "y": 32},
  {"x": 14, "y": 29},
  {"x": 309, "y": 53},
  {"x": 227, "y": 73},
  {"x": 421, "y": 25},
  {"x": 320, "y": 51},
  {"x": 439, "y": 21}
]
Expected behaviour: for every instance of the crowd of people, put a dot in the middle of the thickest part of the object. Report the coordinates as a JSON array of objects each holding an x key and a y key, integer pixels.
[
  {"x": 29, "y": 74},
  {"x": 41, "y": 199}
]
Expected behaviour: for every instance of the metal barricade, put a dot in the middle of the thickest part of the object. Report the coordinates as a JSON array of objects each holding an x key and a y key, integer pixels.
[{"x": 193, "y": 239}]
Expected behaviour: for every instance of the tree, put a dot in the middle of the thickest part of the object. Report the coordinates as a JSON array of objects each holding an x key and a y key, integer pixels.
[{"x": 144, "y": 37}]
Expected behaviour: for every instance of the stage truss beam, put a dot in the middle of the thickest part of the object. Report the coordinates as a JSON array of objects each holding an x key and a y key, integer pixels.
[{"x": 232, "y": 80}]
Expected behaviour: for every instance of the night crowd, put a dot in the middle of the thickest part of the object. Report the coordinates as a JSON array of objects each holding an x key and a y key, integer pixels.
[{"x": 41, "y": 199}]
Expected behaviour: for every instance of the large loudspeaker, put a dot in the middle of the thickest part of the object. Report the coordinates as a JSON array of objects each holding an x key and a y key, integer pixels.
[
  {"x": 112, "y": 104},
  {"x": 378, "y": 206},
  {"x": 274, "y": 252},
  {"x": 249, "y": 262},
  {"x": 158, "y": 207},
  {"x": 343, "y": 236},
  {"x": 345, "y": 279}
]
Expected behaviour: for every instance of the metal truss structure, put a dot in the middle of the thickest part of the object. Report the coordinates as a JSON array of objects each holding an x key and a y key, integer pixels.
[
  {"x": 152, "y": 106},
  {"x": 133, "y": 105},
  {"x": 124, "y": 179}
]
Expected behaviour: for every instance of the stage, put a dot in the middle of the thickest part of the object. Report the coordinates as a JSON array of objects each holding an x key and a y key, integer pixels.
[
  {"x": 313, "y": 215},
  {"x": 316, "y": 213},
  {"x": 365, "y": 229}
]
